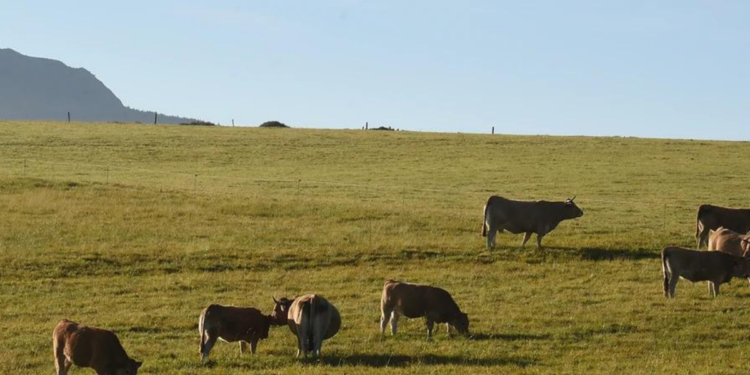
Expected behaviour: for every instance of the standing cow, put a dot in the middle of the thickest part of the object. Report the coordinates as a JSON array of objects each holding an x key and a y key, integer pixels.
[
  {"x": 311, "y": 318},
  {"x": 539, "y": 217},
  {"x": 710, "y": 218},
  {"x": 414, "y": 301},
  {"x": 694, "y": 265},
  {"x": 99, "y": 349},
  {"x": 729, "y": 242},
  {"x": 231, "y": 324}
]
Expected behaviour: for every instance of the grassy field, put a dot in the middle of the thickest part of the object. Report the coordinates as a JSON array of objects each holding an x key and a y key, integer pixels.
[{"x": 136, "y": 228}]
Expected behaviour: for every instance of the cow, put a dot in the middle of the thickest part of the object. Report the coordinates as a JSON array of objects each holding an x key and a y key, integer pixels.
[
  {"x": 414, "y": 301},
  {"x": 729, "y": 242},
  {"x": 99, "y": 349},
  {"x": 311, "y": 318},
  {"x": 695, "y": 265},
  {"x": 231, "y": 324},
  {"x": 539, "y": 217},
  {"x": 710, "y": 218}
]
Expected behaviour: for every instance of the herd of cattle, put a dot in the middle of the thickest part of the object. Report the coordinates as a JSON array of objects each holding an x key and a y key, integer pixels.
[{"x": 312, "y": 318}]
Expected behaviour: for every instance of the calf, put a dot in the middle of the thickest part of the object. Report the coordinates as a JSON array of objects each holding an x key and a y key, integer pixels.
[
  {"x": 413, "y": 301},
  {"x": 243, "y": 324},
  {"x": 712, "y": 266},
  {"x": 74, "y": 344},
  {"x": 311, "y": 318}
]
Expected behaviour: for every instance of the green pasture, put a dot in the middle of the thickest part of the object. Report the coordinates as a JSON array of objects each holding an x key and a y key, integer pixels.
[{"x": 136, "y": 228}]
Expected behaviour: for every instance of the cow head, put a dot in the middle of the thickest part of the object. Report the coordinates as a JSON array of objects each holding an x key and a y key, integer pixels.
[
  {"x": 281, "y": 310},
  {"x": 131, "y": 368},
  {"x": 461, "y": 323},
  {"x": 741, "y": 268},
  {"x": 571, "y": 209}
]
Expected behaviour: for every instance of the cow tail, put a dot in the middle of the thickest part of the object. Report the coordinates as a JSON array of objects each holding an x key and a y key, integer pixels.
[
  {"x": 665, "y": 270},
  {"x": 484, "y": 219},
  {"x": 311, "y": 332},
  {"x": 698, "y": 224},
  {"x": 201, "y": 327}
]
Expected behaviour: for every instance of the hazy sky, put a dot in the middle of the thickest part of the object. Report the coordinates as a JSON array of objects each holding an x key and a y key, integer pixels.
[{"x": 634, "y": 68}]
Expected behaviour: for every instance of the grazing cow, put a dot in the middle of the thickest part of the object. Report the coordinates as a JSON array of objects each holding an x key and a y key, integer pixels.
[
  {"x": 230, "y": 324},
  {"x": 413, "y": 301},
  {"x": 75, "y": 344},
  {"x": 694, "y": 265},
  {"x": 539, "y": 217},
  {"x": 729, "y": 242},
  {"x": 713, "y": 217},
  {"x": 311, "y": 318}
]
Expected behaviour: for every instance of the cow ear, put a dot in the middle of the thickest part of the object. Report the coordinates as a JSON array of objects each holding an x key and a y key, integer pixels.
[{"x": 138, "y": 364}]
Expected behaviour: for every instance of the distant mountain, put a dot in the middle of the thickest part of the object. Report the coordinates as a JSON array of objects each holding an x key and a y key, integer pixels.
[{"x": 34, "y": 88}]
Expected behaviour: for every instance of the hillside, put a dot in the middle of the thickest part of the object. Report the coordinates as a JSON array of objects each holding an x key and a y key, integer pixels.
[
  {"x": 43, "y": 89},
  {"x": 137, "y": 228}
]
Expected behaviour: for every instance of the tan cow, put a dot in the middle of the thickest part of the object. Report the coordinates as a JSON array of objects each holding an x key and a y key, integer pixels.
[
  {"x": 729, "y": 242},
  {"x": 311, "y": 318},
  {"x": 695, "y": 265},
  {"x": 99, "y": 349},
  {"x": 231, "y": 324},
  {"x": 539, "y": 217},
  {"x": 414, "y": 301},
  {"x": 711, "y": 218}
]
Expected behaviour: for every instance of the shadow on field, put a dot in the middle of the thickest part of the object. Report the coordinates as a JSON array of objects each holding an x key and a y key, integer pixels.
[
  {"x": 509, "y": 337},
  {"x": 612, "y": 254},
  {"x": 397, "y": 360}
]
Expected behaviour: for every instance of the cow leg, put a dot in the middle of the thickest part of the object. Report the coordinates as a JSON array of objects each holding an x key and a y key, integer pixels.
[
  {"x": 303, "y": 342},
  {"x": 491, "y": 232},
  {"x": 430, "y": 325},
  {"x": 253, "y": 345},
  {"x": 673, "y": 279},
  {"x": 208, "y": 344},
  {"x": 58, "y": 351},
  {"x": 703, "y": 238},
  {"x": 385, "y": 314},
  {"x": 539, "y": 237},
  {"x": 394, "y": 322},
  {"x": 526, "y": 237},
  {"x": 243, "y": 347},
  {"x": 448, "y": 328},
  {"x": 714, "y": 288}
]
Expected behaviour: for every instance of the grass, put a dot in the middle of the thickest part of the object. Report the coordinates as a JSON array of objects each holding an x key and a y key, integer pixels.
[{"x": 109, "y": 225}]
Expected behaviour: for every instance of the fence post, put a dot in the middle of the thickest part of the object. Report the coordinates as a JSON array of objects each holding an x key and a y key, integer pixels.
[
  {"x": 493, "y": 130},
  {"x": 68, "y": 117},
  {"x": 154, "y": 118},
  {"x": 232, "y": 122}
]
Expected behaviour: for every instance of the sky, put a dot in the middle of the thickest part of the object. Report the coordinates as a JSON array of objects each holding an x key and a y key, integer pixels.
[{"x": 666, "y": 69}]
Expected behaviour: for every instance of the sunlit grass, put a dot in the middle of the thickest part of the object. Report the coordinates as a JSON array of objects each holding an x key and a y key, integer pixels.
[{"x": 109, "y": 225}]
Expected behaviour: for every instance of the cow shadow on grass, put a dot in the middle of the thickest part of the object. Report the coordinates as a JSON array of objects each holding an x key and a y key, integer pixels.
[
  {"x": 400, "y": 360},
  {"x": 509, "y": 337},
  {"x": 591, "y": 253}
]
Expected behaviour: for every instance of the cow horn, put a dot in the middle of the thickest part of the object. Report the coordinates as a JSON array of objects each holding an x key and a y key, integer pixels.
[
  {"x": 275, "y": 301},
  {"x": 574, "y": 197}
]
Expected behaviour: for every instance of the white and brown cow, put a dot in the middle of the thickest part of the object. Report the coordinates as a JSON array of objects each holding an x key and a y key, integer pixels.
[
  {"x": 414, "y": 301},
  {"x": 99, "y": 349},
  {"x": 311, "y": 318},
  {"x": 231, "y": 324},
  {"x": 730, "y": 242},
  {"x": 694, "y": 265}
]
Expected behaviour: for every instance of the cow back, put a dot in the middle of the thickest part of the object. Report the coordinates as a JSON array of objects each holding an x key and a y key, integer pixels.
[
  {"x": 414, "y": 301},
  {"x": 730, "y": 242},
  {"x": 715, "y": 217},
  {"x": 89, "y": 346}
]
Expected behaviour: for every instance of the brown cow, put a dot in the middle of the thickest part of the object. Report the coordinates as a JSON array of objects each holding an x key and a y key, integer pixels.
[
  {"x": 539, "y": 217},
  {"x": 695, "y": 265},
  {"x": 74, "y": 344},
  {"x": 729, "y": 242},
  {"x": 711, "y": 218},
  {"x": 413, "y": 301},
  {"x": 231, "y": 324},
  {"x": 311, "y": 318}
]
